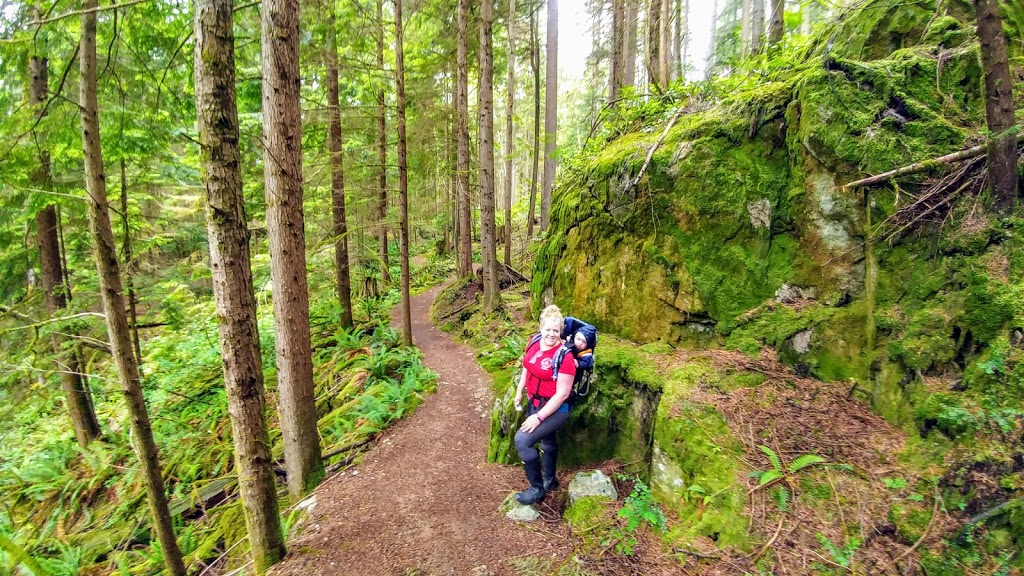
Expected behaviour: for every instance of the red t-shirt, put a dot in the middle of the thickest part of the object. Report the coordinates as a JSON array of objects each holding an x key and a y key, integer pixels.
[{"x": 538, "y": 365}]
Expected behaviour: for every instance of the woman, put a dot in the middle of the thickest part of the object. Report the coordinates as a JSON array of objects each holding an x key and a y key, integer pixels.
[{"x": 546, "y": 406}]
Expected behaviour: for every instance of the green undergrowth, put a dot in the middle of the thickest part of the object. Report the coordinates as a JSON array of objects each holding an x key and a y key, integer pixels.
[{"x": 84, "y": 510}]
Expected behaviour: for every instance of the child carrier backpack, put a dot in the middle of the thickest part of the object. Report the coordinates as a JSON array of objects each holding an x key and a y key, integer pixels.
[{"x": 584, "y": 358}]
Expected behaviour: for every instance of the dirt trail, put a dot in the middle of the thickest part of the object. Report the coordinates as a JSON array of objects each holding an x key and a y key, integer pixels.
[{"x": 424, "y": 501}]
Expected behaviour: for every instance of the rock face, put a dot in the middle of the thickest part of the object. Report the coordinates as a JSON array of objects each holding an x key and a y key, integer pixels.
[
  {"x": 593, "y": 483},
  {"x": 742, "y": 204}
]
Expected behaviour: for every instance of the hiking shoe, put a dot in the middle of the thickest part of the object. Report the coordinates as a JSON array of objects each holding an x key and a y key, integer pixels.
[{"x": 531, "y": 495}]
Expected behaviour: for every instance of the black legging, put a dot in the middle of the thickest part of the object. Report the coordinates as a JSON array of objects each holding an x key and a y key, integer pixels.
[{"x": 544, "y": 433}]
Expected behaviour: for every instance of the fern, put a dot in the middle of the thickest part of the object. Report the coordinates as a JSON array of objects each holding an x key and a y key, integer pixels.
[
  {"x": 772, "y": 456},
  {"x": 805, "y": 461}
]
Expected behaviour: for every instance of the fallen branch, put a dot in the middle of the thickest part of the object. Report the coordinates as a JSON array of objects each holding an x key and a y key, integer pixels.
[
  {"x": 928, "y": 164},
  {"x": 753, "y": 557},
  {"x": 347, "y": 447},
  {"x": 919, "y": 167},
  {"x": 650, "y": 153},
  {"x": 696, "y": 554}
]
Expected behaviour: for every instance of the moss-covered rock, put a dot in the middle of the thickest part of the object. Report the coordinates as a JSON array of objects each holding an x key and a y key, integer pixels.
[{"x": 696, "y": 464}]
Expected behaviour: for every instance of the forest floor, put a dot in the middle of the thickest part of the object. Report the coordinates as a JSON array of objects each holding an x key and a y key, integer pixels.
[{"x": 424, "y": 500}]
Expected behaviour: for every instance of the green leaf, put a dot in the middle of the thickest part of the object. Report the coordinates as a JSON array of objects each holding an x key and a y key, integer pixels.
[
  {"x": 894, "y": 483},
  {"x": 770, "y": 476},
  {"x": 804, "y": 461},
  {"x": 772, "y": 456},
  {"x": 782, "y": 499}
]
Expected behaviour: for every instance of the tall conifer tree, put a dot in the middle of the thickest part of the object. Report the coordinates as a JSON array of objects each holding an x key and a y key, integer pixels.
[{"x": 227, "y": 227}]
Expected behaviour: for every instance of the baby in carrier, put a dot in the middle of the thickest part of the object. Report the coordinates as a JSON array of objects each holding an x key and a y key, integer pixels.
[{"x": 580, "y": 340}]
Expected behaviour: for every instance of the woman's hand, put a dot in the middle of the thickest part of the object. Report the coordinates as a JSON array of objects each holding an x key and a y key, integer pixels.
[
  {"x": 530, "y": 424},
  {"x": 518, "y": 400}
]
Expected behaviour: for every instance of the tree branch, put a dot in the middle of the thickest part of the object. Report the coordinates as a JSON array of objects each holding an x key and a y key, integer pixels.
[{"x": 86, "y": 11}]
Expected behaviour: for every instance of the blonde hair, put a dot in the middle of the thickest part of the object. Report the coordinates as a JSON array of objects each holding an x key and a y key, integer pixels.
[{"x": 551, "y": 312}]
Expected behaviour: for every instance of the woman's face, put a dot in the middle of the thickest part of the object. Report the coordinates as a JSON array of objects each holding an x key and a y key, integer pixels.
[{"x": 551, "y": 332}]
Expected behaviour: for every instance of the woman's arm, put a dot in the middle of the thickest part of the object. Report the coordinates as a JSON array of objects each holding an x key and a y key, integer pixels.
[
  {"x": 563, "y": 386},
  {"x": 518, "y": 398}
]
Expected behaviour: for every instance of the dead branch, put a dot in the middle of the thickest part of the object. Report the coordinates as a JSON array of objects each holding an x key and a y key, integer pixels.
[
  {"x": 650, "y": 153},
  {"x": 756, "y": 555},
  {"x": 919, "y": 167},
  {"x": 347, "y": 447}
]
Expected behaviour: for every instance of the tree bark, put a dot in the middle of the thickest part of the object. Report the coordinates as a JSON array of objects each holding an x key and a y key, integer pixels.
[
  {"x": 664, "y": 53},
  {"x": 999, "y": 113},
  {"x": 226, "y": 225},
  {"x": 488, "y": 251},
  {"x": 684, "y": 49},
  {"x": 654, "y": 44},
  {"x": 775, "y": 25},
  {"x": 382, "y": 156},
  {"x": 76, "y": 391},
  {"x": 112, "y": 295},
  {"x": 535, "y": 64},
  {"x": 282, "y": 161},
  {"x": 403, "y": 178},
  {"x": 509, "y": 117},
  {"x": 756, "y": 26},
  {"x": 129, "y": 265},
  {"x": 629, "y": 54},
  {"x": 462, "y": 151},
  {"x": 342, "y": 277},
  {"x": 550, "y": 113},
  {"x": 618, "y": 63}
]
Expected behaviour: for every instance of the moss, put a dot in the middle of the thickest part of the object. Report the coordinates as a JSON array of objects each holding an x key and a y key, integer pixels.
[
  {"x": 946, "y": 413},
  {"x": 910, "y": 519},
  {"x": 693, "y": 447},
  {"x": 590, "y": 518}
]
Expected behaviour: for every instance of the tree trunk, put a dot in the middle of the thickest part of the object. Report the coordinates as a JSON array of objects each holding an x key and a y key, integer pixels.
[
  {"x": 654, "y": 44},
  {"x": 343, "y": 280},
  {"x": 403, "y": 178},
  {"x": 618, "y": 63},
  {"x": 488, "y": 251},
  {"x": 775, "y": 26},
  {"x": 462, "y": 152},
  {"x": 745, "y": 27},
  {"x": 999, "y": 113},
  {"x": 629, "y": 53},
  {"x": 382, "y": 156},
  {"x": 709, "y": 63},
  {"x": 111, "y": 291},
  {"x": 129, "y": 265},
  {"x": 550, "y": 113},
  {"x": 509, "y": 117},
  {"x": 75, "y": 387},
  {"x": 685, "y": 39},
  {"x": 678, "y": 70},
  {"x": 226, "y": 225},
  {"x": 282, "y": 169},
  {"x": 76, "y": 390},
  {"x": 756, "y": 26},
  {"x": 535, "y": 64},
  {"x": 664, "y": 52}
]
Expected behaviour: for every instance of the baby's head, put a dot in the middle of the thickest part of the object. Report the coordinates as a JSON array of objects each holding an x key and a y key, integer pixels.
[{"x": 580, "y": 341}]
